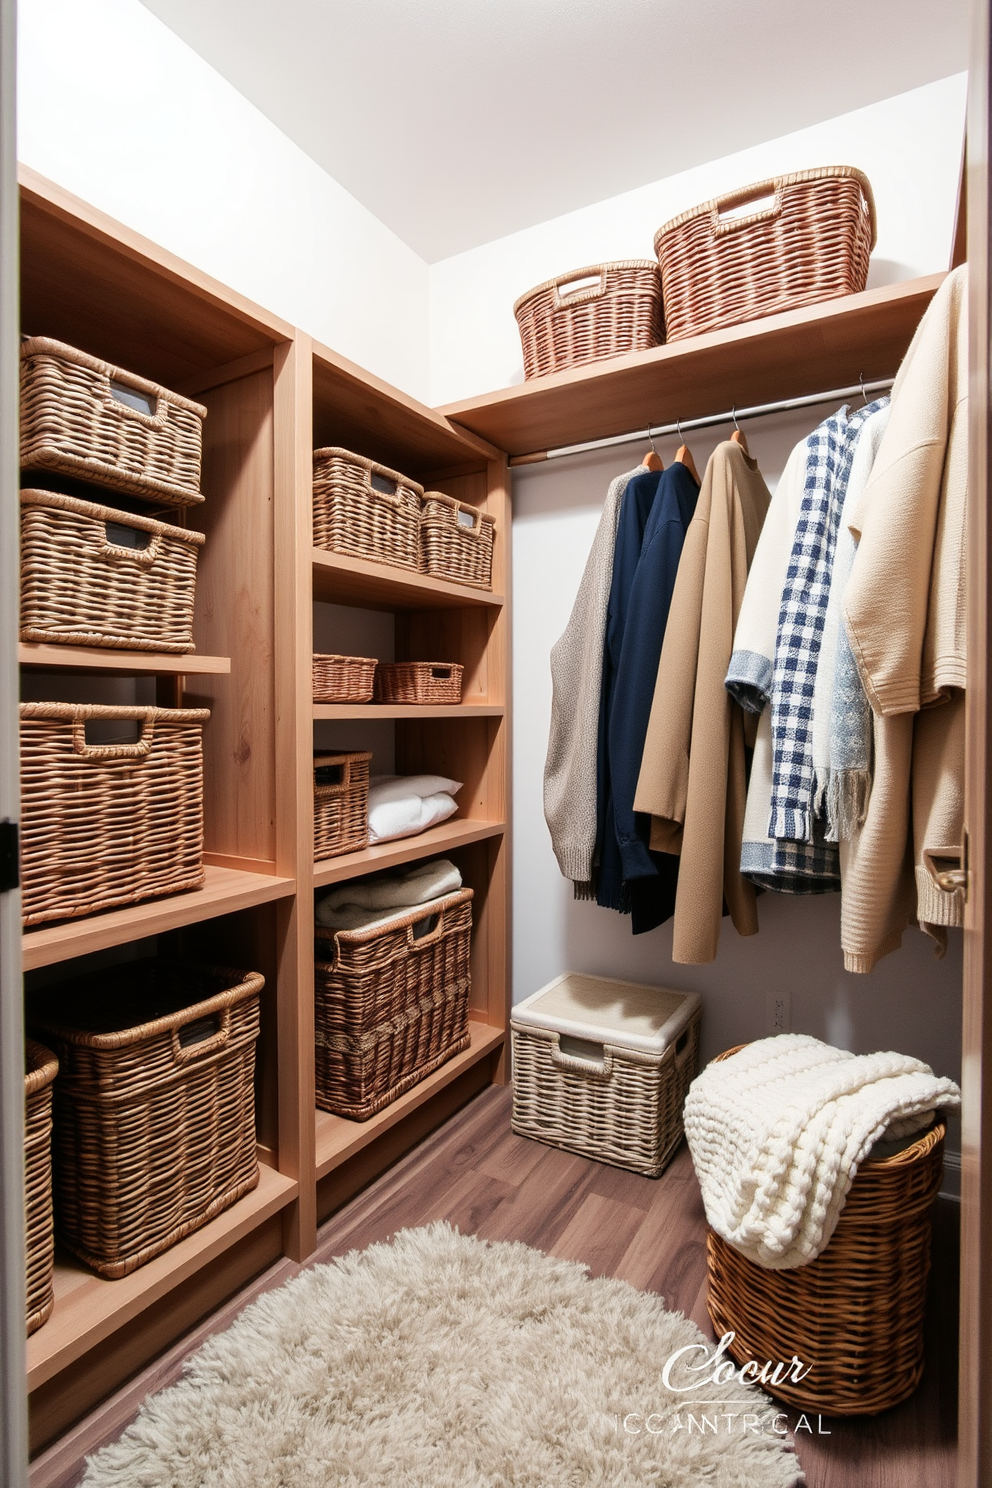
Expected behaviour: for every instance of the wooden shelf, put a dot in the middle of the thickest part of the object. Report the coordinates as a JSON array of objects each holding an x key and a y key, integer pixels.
[
  {"x": 98, "y": 659},
  {"x": 457, "y": 832},
  {"x": 225, "y": 890},
  {"x": 89, "y": 1308},
  {"x": 376, "y": 586},
  {"x": 406, "y": 710},
  {"x": 784, "y": 356},
  {"x": 339, "y": 1139}
]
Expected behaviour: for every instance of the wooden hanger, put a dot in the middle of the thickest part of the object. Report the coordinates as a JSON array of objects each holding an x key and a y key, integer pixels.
[
  {"x": 683, "y": 456},
  {"x": 738, "y": 435},
  {"x": 652, "y": 460}
]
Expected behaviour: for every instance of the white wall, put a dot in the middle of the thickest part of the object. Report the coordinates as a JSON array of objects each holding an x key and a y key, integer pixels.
[
  {"x": 908, "y": 146},
  {"x": 114, "y": 107}
]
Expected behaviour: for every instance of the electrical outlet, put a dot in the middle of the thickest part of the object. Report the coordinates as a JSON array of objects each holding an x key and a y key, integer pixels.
[{"x": 779, "y": 1012}]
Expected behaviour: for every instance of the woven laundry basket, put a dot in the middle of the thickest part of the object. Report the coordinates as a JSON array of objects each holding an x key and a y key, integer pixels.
[
  {"x": 94, "y": 576},
  {"x": 854, "y": 1315},
  {"x": 105, "y": 823},
  {"x": 390, "y": 1004},
  {"x": 340, "y": 802},
  {"x": 600, "y": 311},
  {"x": 602, "y": 1067},
  {"x": 42, "y": 1067},
  {"x": 812, "y": 242},
  {"x": 154, "y": 1105},
  {"x": 89, "y": 419},
  {"x": 343, "y": 679},
  {"x": 365, "y": 510},
  {"x": 437, "y": 682},
  {"x": 457, "y": 541}
]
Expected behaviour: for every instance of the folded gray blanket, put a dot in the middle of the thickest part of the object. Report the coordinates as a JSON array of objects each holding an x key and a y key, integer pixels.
[{"x": 366, "y": 901}]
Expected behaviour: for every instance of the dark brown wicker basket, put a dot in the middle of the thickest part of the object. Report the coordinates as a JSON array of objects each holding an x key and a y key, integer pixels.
[
  {"x": 391, "y": 1004},
  {"x": 365, "y": 510},
  {"x": 610, "y": 309},
  {"x": 437, "y": 682},
  {"x": 104, "y": 824},
  {"x": 154, "y": 1105},
  {"x": 812, "y": 243},
  {"x": 42, "y": 1067},
  {"x": 94, "y": 576},
  {"x": 94, "y": 421},
  {"x": 457, "y": 541},
  {"x": 854, "y": 1315},
  {"x": 340, "y": 803},
  {"x": 342, "y": 679}
]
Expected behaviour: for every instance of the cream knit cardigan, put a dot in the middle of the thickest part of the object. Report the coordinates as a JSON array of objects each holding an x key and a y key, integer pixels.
[{"x": 777, "y": 1133}]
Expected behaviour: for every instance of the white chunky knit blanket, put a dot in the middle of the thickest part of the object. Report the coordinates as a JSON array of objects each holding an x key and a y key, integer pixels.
[{"x": 777, "y": 1132}]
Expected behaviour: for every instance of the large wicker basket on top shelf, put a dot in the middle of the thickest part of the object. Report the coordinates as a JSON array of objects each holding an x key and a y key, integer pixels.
[
  {"x": 365, "y": 510},
  {"x": 457, "y": 541},
  {"x": 42, "y": 1067},
  {"x": 391, "y": 1004},
  {"x": 583, "y": 316},
  {"x": 811, "y": 243},
  {"x": 90, "y": 419},
  {"x": 854, "y": 1315}
]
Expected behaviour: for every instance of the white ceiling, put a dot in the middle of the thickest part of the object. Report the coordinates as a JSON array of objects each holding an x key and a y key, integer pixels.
[{"x": 457, "y": 121}]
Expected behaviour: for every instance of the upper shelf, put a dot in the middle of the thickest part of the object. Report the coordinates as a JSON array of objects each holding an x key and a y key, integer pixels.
[
  {"x": 339, "y": 579},
  {"x": 832, "y": 344},
  {"x": 98, "y": 659}
]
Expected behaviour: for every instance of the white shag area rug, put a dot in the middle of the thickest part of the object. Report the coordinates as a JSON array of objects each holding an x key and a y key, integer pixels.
[{"x": 444, "y": 1361}]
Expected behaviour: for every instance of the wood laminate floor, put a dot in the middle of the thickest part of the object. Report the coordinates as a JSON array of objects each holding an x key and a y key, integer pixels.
[{"x": 474, "y": 1173}]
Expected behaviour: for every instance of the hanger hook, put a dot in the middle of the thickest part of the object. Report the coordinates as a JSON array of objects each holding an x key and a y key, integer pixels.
[
  {"x": 678, "y": 425},
  {"x": 651, "y": 440},
  {"x": 861, "y": 379},
  {"x": 733, "y": 415}
]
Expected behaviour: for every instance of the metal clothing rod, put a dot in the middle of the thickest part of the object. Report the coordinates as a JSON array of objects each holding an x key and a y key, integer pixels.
[{"x": 708, "y": 421}]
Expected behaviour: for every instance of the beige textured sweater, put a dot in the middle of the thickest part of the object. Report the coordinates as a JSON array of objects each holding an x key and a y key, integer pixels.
[{"x": 692, "y": 779}]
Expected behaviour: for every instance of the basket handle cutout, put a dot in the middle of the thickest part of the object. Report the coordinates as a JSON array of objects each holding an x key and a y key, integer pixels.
[
  {"x": 682, "y": 1047},
  {"x": 582, "y": 1057},
  {"x": 470, "y": 520},
  {"x": 727, "y": 220},
  {"x": 202, "y": 1036},
  {"x": 130, "y": 402},
  {"x": 425, "y": 932},
  {"x": 332, "y": 780},
  {"x": 86, "y": 740},
  {"x": 130, "y": 543},
  {"x": 575, "y": 289},
  {"x": 442, "y": 673},
  {"x": 383, "y": 486}
]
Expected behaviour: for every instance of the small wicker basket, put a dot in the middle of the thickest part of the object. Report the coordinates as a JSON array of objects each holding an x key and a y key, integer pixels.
[
  {"x": 154, "y": 1105},
  {"x": 365, "y": 510},
  {"x": 104, "y": 824},
  {"x": 340, "y": 803},
  {"x": 854, "y": 1315},
  {"x": 42, "y": 1067},
  {"x": 89, "y": 419},
  {"x": 437, "y": 682},
  {"x": 457, "y": 541},
  {"x": 94, "y": 576},
  {"x": 812, "y": 243},
  {"x": 391, "y": 1004},
  {"x": 343, "y": 679},
  {"x": 608, "y": 310}
]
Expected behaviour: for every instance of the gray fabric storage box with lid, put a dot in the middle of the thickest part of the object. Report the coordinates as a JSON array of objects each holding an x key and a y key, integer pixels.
[{"x": 601, "y": 1067}]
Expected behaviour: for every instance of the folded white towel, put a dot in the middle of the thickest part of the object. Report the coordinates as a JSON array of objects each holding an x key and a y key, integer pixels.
[
  {"x": 403, "y": 805},
  {"x": 778, "y": 1130},
  {"x": 362, "y": 901}
]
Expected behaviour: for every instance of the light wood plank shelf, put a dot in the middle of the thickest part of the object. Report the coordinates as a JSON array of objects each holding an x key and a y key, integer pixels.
[
  {"x": 225, "y": 890},
  {"x": 406, "y": 710},
  {"x": 339, "y": 1139},
  {"x": 89, "y": 1308},
  {"x": 104, "y": 659},
  {"x": 783, "y": 356},
  {"x": 376, "y": 586},
  {"x": 457, "y": 832}
]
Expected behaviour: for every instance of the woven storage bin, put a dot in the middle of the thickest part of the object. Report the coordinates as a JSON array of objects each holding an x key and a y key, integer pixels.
[
  {"x": 107, "y": 823},
  {"x": 93, "y": 576},
  {"x": 608, "y": 310},
  {"x": 390, "y": 1004},
  {"x": 365, "y": 510},
  {"x": 343, "y": 679},
  {"x": 602, "y": 1067},
  {"x": 437, "y": 682},
  {"x": 340, "y": 803},
  {"x": 811, "y": 244},
  {"x": 854, "y": 1315},
  {"x": 154, "y": 1105},
  {"x": 457, "y": 541},
  {"x": 42, "y": 1067},
  {"x": 89, "y": 419}
]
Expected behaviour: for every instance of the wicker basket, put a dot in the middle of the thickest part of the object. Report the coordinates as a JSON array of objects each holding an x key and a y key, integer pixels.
[
  {"x": 340, "y": 803},
  {"x": 609, "y": 309},
  {"x": 365, "y": 510},
  {"x": 457, "y": 541},
  {"x": 854, "y": 1315},
  {"x": 391, "y": 1004},
  {"x": 437, "y": 682},
  {"x": 811, "y": 244},
  {"x": 154, "y": 1105},
  {"x": 42, "y": 1067},
  {"x": 602, "y": 1067},
  {"x": 86, "y": 418},
  {"x": 343, "y": 679},
  {"x": 104, "y": 824},
  {"x": 93, "y": 576}
]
